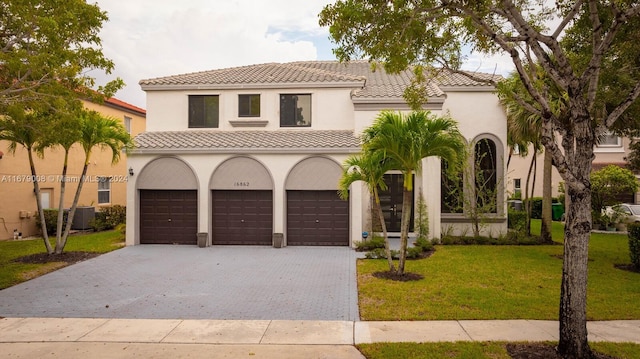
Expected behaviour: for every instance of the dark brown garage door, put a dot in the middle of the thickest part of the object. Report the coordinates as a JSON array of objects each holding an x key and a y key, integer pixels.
[
  {"x": 242, "y": 217},
  {"x": 317, "y": 218},
  {"x": 168, "y": 216}
]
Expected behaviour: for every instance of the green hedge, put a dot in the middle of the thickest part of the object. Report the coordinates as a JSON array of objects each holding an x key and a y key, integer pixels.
[
  {"x": 634, "y": 243},
  {"x": 516, "y": 219},
  {"x": 51, "y": 219},
  {"x": 109, "y": 217}
]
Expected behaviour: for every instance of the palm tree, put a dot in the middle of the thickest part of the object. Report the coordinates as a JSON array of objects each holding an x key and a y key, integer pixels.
[
  {"x": 96, "y": 131},
  {"x": 67, "y": 134},
  {"x": 406, "y": 140},
  {"x": 524, "y": 126},
  {"x": 369, "y": 167},
  {"x": 20, "y": 127}
]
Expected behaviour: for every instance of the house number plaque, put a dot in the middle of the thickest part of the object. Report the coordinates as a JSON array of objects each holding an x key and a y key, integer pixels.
[{"x": 241, "y": 184}]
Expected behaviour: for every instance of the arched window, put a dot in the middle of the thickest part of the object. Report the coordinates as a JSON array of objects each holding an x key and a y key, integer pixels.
[{"x": 486, "y": 175}]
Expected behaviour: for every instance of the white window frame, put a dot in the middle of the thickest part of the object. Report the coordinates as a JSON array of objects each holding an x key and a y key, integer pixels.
[
  {"x": 127, "y": 123},
  {"x": 101, "y": 184},
  {"x": 609, "y": 147}
]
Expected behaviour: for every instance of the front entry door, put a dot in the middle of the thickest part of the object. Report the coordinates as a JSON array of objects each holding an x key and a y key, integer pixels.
[{"x": 391, "y": 202}]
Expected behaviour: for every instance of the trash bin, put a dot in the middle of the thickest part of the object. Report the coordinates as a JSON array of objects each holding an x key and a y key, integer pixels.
[
  {"x": 557, "y": 210},
  {"x": 202, "y": 239},
  {"x": 516, "y": 204}
]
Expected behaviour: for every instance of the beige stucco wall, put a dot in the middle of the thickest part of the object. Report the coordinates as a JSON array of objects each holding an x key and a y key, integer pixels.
[
  {"x": 519, "y": 168},
  {"x": 18, "y": 209}
]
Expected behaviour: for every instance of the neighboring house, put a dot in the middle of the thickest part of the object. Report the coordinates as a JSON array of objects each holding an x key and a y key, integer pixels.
[
  {"x": 105, "y": 183},
  {"x": 611, "y": 150},
  {"x": 241, "y": 154}
]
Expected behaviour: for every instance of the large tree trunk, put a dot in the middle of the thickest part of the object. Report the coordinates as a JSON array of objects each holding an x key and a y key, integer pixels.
[
  {"x": 578, "y": 144},
  {"x": 545, "y": 229},
  {"x": 573, "y": 293}
]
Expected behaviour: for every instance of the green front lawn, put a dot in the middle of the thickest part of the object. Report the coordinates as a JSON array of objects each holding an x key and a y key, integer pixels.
[
  {"x": 478, "y": 350},
  {"x": 500, "y": 282},
  {"x": 12, "y": 272}
]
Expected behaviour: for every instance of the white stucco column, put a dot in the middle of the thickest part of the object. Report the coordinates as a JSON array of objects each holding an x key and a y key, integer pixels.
[
  {"x": 357, "y": 210},
  {"x": 431, "y": 191},
  {"x": 204, "y": 205}
]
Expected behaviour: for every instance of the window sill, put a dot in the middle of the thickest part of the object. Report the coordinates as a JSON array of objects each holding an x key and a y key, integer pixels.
[
  {"x": 248, "y": 123},
  {"x": 608, "y": 149}
]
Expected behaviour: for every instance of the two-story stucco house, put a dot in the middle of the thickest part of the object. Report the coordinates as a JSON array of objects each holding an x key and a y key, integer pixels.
[{"x": 241, "y": 154}]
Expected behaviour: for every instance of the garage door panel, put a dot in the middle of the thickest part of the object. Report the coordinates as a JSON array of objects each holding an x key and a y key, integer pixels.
[
  {"x": 242, "y": 217},
  {"x": 317, "y": 218},
  {"x": 168, "y": 216}
]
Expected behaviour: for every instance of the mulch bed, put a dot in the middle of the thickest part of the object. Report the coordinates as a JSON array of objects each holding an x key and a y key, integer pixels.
[
  {"x": 67, "y": 257},
  {"x": 405, "y": 277},
  {"x": 540, "y": 351}
]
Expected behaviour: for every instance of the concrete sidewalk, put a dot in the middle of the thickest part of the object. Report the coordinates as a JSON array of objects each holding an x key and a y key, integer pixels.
[{"x": 159, "y": 338}]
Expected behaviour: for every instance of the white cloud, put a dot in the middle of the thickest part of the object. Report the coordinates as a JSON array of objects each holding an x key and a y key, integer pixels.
[{"x": 152, "y": 38}]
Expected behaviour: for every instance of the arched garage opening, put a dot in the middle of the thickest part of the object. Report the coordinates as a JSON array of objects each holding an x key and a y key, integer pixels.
[
  {"x": 242, "y": 203},
  {"x": 168, "y": 198},
  {"x": 316, "y": 216}
]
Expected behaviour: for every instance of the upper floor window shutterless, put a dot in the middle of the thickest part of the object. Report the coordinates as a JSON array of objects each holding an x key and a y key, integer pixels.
[
  {"x": 608, "y": 139},
  {"x": 295, "y": 110},
  {"x": 204, "y": 111},
  {"x": 104, "y": 190},
  {"x": 127, "y": 123},
  {"x": 248, "y": 105}
]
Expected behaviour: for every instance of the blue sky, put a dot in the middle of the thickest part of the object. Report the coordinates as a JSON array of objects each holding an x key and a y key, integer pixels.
[{"x": 154, "y": 38}]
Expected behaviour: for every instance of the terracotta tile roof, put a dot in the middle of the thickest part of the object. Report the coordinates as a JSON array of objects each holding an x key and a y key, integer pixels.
[
  {"x": 271, "y": 73},
  {"x": 358, "y": 75},
  {"x": 119, "y": 103},
  {"x": 211, "y": 141}
]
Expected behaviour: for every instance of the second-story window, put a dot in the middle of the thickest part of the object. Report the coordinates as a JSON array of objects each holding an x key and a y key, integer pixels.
[
  {"x": 248, "y": 105},
  {"x": 204, "y": 111},
  {"x": 295, "y": 110}
]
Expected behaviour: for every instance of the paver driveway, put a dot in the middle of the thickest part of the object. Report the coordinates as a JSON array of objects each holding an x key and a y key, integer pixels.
[{"x": 187, "y": 282}]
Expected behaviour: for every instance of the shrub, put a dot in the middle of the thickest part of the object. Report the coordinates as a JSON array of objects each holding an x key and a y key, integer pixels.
[
  {"x": 423, "y": 244},
  {"x": 109, "y": 217},
  {"x": 634, "y": 243},
  {"x": 516, "y": 220},
  {"x": 51, "y": 220},
  {"x": 536, "y": 207},
  {"x": 371, "y": 244}
]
